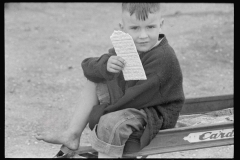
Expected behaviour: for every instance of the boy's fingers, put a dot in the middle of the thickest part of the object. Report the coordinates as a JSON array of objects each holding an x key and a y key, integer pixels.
[
  {"x": 118, "y": 63},
  {"x": 116, "y": 67},
  {"x": 114, "y": 59},
  {"x": 121, "y": 60},
  {"x": 113, "y": 70},
  {"x": 115, "y": 64}
]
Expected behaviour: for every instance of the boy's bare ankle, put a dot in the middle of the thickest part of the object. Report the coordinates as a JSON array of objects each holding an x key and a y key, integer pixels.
[
  {"x": 71, "y": 140},
  {"x": 73, "y": 133}
]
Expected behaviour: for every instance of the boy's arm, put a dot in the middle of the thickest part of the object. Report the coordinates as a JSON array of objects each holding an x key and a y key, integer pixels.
[
  {"x": 143, "y": 94},
  {"x": 95, "y": 68}
]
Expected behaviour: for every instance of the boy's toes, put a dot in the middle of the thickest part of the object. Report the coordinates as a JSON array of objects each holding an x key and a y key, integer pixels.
[{"x": 39, "y": 136}]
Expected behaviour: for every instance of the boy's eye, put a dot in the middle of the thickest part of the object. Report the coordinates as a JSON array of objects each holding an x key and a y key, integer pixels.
[
  {"x": 150, "y": 27},
  {"x": 134, "y": 28}
]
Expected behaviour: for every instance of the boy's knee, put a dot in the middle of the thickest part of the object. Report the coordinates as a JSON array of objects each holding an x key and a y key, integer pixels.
[{"x": 115, "y": 128}]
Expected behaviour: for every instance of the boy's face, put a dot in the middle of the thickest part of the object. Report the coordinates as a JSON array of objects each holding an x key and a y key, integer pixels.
[{"x": 144, "y": 33}]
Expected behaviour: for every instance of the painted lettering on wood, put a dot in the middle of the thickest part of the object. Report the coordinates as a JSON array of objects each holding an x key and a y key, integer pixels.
[{"x": 210, "y": 135}]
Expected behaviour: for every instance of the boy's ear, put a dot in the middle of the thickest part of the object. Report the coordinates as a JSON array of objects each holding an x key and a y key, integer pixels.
[
  {"x": 161, "y": 25},
  {"x": 120, "y": 26},
  {"x": 161, "y": 22}
]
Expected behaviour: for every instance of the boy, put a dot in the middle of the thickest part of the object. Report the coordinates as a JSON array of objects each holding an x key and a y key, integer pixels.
[{"x": 125, "y": 116}]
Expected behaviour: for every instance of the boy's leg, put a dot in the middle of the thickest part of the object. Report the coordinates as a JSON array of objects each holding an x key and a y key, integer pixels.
[
  {"x": 71, "y": 137},
  {"x": 113, "y": 130}
]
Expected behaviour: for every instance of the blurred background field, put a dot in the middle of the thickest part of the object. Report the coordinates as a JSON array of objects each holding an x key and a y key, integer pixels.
[{"x": 45, "y": 44}]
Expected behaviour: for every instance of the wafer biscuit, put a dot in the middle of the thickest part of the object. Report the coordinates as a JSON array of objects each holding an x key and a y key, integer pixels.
[{"x": 126, "y": 49}]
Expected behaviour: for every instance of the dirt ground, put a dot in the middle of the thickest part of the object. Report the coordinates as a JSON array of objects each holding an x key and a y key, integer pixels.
[{"x": 45, "y": 44}]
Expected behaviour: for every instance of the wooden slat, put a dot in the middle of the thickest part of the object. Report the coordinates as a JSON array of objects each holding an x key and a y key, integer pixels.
[
  {"x": 172, "y": 140},
  {"x": 182, "y": 148},
  {"x": 206, "y": 104}
]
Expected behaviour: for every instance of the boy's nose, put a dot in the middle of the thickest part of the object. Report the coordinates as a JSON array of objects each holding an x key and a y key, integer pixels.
[{"x": 143, "y": 34}]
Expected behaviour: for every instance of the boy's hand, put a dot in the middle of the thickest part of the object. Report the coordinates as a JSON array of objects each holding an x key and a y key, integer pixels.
[{"x": 115, "y": 64}]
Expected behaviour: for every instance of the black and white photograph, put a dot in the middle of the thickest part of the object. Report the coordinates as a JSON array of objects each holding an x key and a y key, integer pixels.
[{"x": 119, "y": 80}]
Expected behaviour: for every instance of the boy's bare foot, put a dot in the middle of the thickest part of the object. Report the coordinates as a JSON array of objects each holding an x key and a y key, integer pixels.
[{"x": 69, "y": 140}]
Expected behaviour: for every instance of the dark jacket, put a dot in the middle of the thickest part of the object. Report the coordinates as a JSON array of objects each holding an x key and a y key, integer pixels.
[{"x": 161, "y": 95}]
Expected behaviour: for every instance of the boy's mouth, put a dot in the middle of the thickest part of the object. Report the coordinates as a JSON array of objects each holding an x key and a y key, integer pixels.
[{"x": 142, "y": 43}]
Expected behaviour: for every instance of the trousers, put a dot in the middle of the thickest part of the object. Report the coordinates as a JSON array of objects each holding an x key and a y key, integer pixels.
[{"x": 117, "y": 130}]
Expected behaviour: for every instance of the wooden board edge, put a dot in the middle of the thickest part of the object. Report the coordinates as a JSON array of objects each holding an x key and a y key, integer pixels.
[
  {"x": 188, "y": 139},
  {"x": 201, "y": 145},
  {"x": 207, "y": 99}
]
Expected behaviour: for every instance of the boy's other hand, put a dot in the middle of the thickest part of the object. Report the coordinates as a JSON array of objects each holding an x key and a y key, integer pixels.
[{"x": 115, "y": 64}]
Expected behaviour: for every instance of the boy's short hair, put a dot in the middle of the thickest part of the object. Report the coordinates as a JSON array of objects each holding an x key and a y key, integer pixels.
[{"x": 141, "y": 9}]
